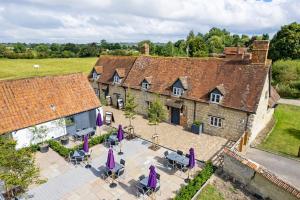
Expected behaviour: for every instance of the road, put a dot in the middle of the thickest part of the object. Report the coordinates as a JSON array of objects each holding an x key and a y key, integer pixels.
[
  {"x": 285, "y": 168},
  {"x": 295, "y": 102}
]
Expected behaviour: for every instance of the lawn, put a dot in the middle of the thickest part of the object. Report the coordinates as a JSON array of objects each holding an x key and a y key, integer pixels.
[
  {"x": 21, "y": 68},
  {"x": 285, "y": 137},
  {"x": 210, "y": 193}
]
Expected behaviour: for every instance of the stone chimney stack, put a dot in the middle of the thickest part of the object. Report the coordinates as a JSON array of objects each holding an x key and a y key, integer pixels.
[
  {"x": 260, "y": 51},
  {"x": 145, "y": 49}
]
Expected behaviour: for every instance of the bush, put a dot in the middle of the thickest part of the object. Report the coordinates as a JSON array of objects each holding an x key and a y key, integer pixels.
[
  {"x": 187, "y": 192},
  {"x": 288, "y": 91}
]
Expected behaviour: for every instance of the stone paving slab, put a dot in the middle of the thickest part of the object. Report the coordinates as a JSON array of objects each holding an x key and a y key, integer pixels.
[{"x": 81, "y": 183}]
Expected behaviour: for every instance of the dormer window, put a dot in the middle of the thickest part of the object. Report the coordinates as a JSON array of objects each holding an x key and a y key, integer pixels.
[
  {"x": 177, "y": 91},
  {"x": 145, "y": 86},
  {"x": 215, "y": 97},
  {"x": 95, "y": 76},
  {"x": 117, "y": 79}
]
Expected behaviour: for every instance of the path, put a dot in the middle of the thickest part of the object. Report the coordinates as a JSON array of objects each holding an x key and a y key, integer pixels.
[
  {"x": 295, "y": 102},
  {"x": 285, "y": 168}
]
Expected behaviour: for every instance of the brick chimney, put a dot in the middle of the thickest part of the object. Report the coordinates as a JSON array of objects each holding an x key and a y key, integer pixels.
[
  {"x": 260, "y": 51},
  {"x": 145, "y": 49}
]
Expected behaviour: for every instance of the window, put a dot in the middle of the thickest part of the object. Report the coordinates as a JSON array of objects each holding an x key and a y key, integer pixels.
[
  {"x": 177, "y": 91},
  {"x": 215, "y": 121},
  {"x": 97, "y": 92},
  {"x": 148, "y": 103},
  {"x": 215, "y": 98},
  {"x": 145, "y": 86},
  {"x": 117, "y": 79},
  {"x": 95, "y": 76}
]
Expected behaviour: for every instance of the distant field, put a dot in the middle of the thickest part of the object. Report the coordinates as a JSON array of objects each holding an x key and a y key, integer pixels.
[{"x": 21, "y": 68}]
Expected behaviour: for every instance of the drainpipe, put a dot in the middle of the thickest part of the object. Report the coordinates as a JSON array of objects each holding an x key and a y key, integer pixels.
[{"x": 194, "y": 116}]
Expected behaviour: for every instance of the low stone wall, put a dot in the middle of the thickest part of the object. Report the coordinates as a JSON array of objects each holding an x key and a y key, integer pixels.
[{"x": 257, "y": 179}]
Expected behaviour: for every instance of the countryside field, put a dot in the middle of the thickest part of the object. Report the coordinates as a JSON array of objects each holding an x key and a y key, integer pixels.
[{"x": 21, "y": 68}]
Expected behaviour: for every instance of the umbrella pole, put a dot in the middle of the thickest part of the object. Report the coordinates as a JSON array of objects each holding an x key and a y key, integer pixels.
[
  {"x": 120, "y": 152},
  {"x": 113, "y": 184},
  {"x": 188, "y": 178}
]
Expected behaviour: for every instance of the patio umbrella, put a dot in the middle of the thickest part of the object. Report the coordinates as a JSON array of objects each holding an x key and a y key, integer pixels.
[
  {"x": 86, "y": 143},
  {"x": 99, "y": 120},
  {"x": 152, "y": 180},
  {"x": 120, "y": 134},
  {"x": 192, "y": 158},
  {"x": 120, "y": 137},
  {"x": 110, "y": 163}
]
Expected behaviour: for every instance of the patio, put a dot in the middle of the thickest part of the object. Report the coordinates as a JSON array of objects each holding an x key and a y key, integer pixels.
[
  {"x": 66, "y": 181},
  {"x": 174, "y": 137}
]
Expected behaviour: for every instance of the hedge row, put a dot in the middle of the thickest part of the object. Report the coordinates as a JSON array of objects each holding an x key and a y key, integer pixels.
[{"x": 187, "y": 192}]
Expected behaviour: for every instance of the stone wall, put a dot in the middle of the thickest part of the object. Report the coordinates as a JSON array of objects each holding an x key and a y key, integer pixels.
[
  {"x": 257, "y": 179},
  {"x": 113, "y": 91}
]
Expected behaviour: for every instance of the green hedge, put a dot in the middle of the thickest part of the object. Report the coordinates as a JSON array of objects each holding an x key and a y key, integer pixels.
[
  {"x": 187, "y": 192},
  {"x": 64, "y": 151}
]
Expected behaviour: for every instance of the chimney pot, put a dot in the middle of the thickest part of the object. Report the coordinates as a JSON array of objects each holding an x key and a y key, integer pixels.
[{"x": 145, "y": 49}]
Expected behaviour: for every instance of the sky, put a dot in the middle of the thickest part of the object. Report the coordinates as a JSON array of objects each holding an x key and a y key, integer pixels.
[{"x": 83, "y": 21}]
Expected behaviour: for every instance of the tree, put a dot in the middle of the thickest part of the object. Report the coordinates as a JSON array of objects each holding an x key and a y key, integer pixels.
[
  {"x": 156, "y": 114},
  {"x": 39, "y": 134},
  {"x": 130, "y": 106},
  {"x": 168, "y": 49},
  {"x": 286, "y": 43},
  {"x": 17, "y": 168},
  {"x": 19, "y": 48},
  {"x": 215, "y": 44},
  {"x": 2, "y": 50},
  {"x": 196, "y": 47}
]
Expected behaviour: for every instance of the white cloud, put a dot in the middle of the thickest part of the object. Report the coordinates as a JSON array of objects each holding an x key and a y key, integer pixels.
[{"x": 134, "y": 20}]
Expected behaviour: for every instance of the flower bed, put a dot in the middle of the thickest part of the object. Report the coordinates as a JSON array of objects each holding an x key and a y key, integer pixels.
[{"x": 187, "y": 192}]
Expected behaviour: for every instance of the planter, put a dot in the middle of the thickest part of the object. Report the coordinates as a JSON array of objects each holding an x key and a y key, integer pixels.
[
  {"x": 44, "y": 148},
  {"x": 64, "y": 140},
  {"x": 197, "y": 128}
]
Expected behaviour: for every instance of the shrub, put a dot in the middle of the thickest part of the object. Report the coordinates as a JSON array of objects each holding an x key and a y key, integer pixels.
[
  {"x": 197, "y": 123},
  {"x": 187, "y": 192},
  {"x": 288, "y": 91},
  {"x": 60, "y": 149}
]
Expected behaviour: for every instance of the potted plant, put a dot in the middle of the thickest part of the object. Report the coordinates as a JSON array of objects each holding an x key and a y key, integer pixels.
[
  {"x": 197, "y": 127},
  {"x": 64, "y": 140},
  {"x": 39, "y": 135}
]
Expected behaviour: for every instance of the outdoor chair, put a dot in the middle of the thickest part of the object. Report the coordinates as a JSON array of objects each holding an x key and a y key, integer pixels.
[
  {"x": 166, "y": 153},
  {"x": 76, "y": 137},
  {"x": 158, "y": 176},
  {"x": 122, "y": 162},
  {"x": 181, "y": 168},
  {"x": 120, "y": 172},
  {"x": 141, "y": 190},
  {"x": 142, "y": 177},
  {"x": 179, "y": 152},
  {"x": 187, "y": 155},
  {"x": 72, "y": 159}
]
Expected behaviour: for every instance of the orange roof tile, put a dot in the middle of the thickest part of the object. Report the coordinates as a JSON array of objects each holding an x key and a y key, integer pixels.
[{"x": 31, "y": 101}]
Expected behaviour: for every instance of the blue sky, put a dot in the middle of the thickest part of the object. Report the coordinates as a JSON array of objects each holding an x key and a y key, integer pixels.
[{"x": 82, "y": 21}]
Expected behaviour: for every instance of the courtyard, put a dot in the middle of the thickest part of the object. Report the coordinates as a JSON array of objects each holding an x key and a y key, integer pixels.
[{"x": 66, "y": 181}]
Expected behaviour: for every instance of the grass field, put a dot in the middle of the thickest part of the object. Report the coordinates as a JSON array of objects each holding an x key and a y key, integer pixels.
[
  {"x": 21, "y": 68},
  {"x": 285, "y": 137},
  {"x": 210, "y": 193}
]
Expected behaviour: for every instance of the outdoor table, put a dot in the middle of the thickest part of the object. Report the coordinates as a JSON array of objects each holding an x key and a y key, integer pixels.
[
  {"x": 84, "y": 132},
  {"x": 113, "y": 138},
  {"x": 79, "y": 155},
  {"x": 144, "y": 182},
  {"x": 180, "y": 159}
]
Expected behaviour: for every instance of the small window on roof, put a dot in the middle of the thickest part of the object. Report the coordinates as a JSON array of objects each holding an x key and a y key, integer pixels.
[
  {"x": 145, "y": 86},
  {"x": 215, "y": 97},
  {"x": 117, "y": 79},
  {"x": 177, "y": 91}
]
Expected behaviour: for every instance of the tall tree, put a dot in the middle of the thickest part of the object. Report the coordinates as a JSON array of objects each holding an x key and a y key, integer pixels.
[
  {"x": 286, "y": 43},
  {"x": 17, "y": 168},
  {"x": 19, "y": 48},
  {"x": 130, "y": 107}
]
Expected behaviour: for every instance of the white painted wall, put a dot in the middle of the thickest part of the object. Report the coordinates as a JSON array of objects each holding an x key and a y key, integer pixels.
[
  {"x": 24, "y": 136},
  {"x": 100, "y": 109}
]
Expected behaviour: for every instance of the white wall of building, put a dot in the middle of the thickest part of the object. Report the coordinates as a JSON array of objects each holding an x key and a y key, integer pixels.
[{"x": 24, "y": 136}]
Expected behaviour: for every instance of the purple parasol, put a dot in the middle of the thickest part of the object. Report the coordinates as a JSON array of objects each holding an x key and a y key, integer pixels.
[
  {"x": 120, "y": 134},
  {"x": 152, "y": 179},
  {"x": 86, "y": 143},
  {"x": 99, "y": 120},
  {"x": 192, "y": 158},
  {"x": 110, "y": 163}
]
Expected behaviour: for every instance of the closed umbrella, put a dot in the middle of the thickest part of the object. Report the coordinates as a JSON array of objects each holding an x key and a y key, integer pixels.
[
  {"x": 191, "y": 163},
  {"x": 99, "y": 120},
  {"x": 110, "y": 164},
  {"x": 152, "y": 179},
  {"x": 86, "y": 144},
  {"x": 120, "y": 137}
]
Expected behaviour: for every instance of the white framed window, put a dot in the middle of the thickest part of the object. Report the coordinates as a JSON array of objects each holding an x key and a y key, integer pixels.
[
  {"x": 117, "y": 79},
  {"x": 215, "y": 98},
  {"x": 148, "y": 103},
  {"x": 145, "y": 86},
  {"x": 97, "y": 92},
  {"x": 95, "y": 76},
  {"x": 177, "y": 91},
  {"x": 216, "y": 121}
]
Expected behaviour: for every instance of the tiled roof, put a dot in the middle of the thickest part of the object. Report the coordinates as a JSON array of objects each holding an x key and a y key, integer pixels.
[
  {"x": 32, "y": 101},
  {"x": 99, "y": 69},
  {"x": 111, "y": 64},
  {"x": 242, "y": 81},
  {"x": 121, "y": 72},
  {"x": 264, "y": 172}
]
